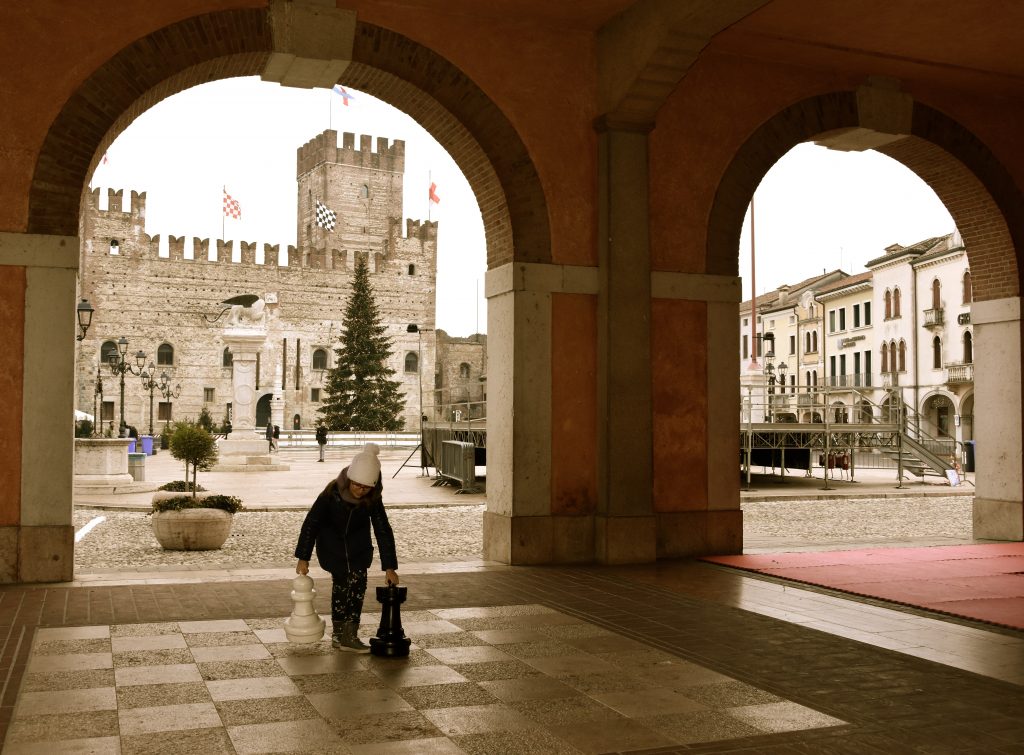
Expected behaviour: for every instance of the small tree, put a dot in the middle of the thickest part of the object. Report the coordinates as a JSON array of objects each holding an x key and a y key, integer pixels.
[
  {"x": 205, "y": 421},
  {"x": 359, "y": 392},
  {"x": 194, "y": 446}
]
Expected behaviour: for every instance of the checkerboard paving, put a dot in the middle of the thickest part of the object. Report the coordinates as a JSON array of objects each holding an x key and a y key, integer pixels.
[{"x": 506, "y": 679}]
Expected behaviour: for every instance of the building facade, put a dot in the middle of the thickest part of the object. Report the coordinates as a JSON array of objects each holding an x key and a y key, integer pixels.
[
  {"x": 852, "y": 345},
  {"x": 170, "y": 307}
]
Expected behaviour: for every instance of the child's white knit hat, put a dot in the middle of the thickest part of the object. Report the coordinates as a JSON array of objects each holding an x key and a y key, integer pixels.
[{"x": 365, "y": 467}]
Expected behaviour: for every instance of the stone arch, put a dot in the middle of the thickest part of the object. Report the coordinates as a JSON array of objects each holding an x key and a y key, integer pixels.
[
  {"x": 225, "y": 44},
  {"x": 970, "y": 181}
]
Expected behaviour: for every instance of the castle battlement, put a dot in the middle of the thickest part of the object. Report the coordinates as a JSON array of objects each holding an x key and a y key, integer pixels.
[
  {"x": 324, "y": 149},
  {"x": 115, "y": 203},
  {"x": 425, "y": 230}
]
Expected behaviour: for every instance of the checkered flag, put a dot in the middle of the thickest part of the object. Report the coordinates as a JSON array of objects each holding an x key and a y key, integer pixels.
[
  {"x": 325, "y": 218},
  {"x": 232, "y": 209}
]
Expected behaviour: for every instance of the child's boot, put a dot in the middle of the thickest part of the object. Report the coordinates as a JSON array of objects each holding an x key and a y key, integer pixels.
[{"x": 346, "y": 638}]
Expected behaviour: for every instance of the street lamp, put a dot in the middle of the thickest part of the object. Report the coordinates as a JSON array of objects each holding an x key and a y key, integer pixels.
[
  {"x": 168, "y": 393},
  {"x": 84, "y": 312},
  {"x": 150, "y": 384},
  {"x": 773, "y": 374},
  {"x": 97, "y": 403},
  {"x": 121, "y": 366}
]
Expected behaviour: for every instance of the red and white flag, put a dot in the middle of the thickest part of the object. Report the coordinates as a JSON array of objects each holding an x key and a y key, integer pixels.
[
  {"x": 433, "y": 194},
  {"x": 232, "y": 209}
]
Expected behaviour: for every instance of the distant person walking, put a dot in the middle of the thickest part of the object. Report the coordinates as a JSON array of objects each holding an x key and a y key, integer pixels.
[
  {"x": 270, "y": 438},
  {"x": 321, "y": 439},
  {"x": 273, "y": 440}
]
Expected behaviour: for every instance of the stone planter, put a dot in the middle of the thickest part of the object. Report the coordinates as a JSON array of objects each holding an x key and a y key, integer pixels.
[{"x": 190, "y": 529}]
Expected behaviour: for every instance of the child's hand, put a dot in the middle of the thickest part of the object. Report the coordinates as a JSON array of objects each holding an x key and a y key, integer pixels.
[
  {"x": 302, "y": 567},
  {"x": 391, "y": 576}
]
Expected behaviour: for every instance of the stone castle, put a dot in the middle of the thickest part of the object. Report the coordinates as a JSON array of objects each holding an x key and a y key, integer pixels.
[{"x": 170, "y": 307}]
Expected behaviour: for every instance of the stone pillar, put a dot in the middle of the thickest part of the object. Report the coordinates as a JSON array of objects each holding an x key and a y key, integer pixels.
[
  {"x": 625, "y": 526},
  {"x": 519, "y": 524},
  {"x": 38, "y": 286},
  {"x": 999, "y": 498},
  {"x": 244, "y": 345}
]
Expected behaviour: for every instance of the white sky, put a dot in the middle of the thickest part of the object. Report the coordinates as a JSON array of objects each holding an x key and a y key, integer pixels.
[{"x": 816, "y": 209}]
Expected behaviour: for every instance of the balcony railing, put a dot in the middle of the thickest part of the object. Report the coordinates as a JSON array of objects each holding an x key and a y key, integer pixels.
[
  {"x": 890, "y": 379},
  {"x": 957, "y": 374},
  {"x": 933, "y": 317}
]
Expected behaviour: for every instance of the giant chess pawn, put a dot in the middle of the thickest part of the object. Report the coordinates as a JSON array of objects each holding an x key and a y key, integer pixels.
[
  {"x": 390, "y": 641},
  {"x": 304, "y": 625}
]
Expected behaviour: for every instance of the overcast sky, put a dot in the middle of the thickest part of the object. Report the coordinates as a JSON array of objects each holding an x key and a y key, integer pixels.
[{"x": 816, "y": 209}]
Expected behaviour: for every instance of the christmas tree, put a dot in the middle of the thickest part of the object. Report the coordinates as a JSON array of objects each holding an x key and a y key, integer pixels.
[{"x": 359, "y": 393}]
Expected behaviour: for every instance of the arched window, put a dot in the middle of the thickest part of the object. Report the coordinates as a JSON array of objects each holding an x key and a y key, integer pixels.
[
  {"x": 412, "y": 270},
  {"x": 464, "y": 370},
  {"x": 412, "y": 362},
  {"x": 895, "y": 302},
  {"x": 227, "y": 360},
  {"x": 814, "y": 375},
  {"x": 903, "y": 356},
  {"x": 319, "y": 359},
  {"x": 968, "y": 347},
  {"x": 364, "y": 191},
  {"x": 297, "y": 422},
  {"x": 888, "y": 304},
  {"x": 807, "y": 342},
  {"x": 893, "y": 364},
  {"x": 107, "y": 350},
  {"x": 936, "y": 294},
  {"x": 115, "y": 246},
  {"x": 937, "y": 353},
  {"x": 165, "y": 354},
  {"x": 968, "y": 290},
  {"x": 885, "y": 358},
  {"x": 814, "y": 341}
]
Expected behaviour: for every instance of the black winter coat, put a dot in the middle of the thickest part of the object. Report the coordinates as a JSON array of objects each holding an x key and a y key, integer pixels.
[{"x": 341, "y": 531}]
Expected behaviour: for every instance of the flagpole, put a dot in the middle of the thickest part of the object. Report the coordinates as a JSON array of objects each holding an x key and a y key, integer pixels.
[
  {"x": 223, "y": 215},
  {"x": 428, "y": 196}
]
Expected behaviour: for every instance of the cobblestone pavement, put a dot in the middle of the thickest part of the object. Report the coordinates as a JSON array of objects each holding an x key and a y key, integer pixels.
[{"x": 125, "y": 539}]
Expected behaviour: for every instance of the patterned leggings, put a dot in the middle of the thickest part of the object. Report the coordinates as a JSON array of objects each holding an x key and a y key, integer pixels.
[{"x": 347, "y": 594}]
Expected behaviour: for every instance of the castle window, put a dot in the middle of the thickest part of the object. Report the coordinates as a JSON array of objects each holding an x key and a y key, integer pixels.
[
  {"x": 412, "y": 270},
  {"x": 108, "y": 350},
  {"x": 314, "y": 395},
  {"x": 968, "y": 348},
  {"x": 463, "y": 370},
  {"x": 164, "y": 411},
  {"x": 412, "y": 362},
  {"x": 968, "y": 296},
  {"x": 364, "y": 191},
  {"x": 208, "y": 395},
  {"x": 227, "y": 360},
  {"x": 115, "y": 246},
  {"x": 165, "y": 354},
  {"x": 319, "y": 359}
]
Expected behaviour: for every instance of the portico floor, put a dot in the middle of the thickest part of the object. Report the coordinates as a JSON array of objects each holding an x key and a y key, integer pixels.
[{"x": 677, "y": 657}]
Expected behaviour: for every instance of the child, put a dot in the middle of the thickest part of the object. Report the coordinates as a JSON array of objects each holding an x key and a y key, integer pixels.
[{"x": 339, "y": 524}]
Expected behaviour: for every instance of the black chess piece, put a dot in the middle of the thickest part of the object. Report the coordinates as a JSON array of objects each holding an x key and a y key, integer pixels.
[{"x": 390, "y": 641}]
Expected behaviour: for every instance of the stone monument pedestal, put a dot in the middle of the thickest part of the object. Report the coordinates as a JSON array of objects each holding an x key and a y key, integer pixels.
[{"x": 101, "y": 466}]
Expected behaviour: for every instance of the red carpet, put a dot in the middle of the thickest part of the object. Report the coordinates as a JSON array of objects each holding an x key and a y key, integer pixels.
[{"x": 980, "y": 582}]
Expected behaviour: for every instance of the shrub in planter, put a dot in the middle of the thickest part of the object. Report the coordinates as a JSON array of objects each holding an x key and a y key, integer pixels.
[
  {"x": 180, "y": 486},
  {"x": 187, "y": 523},
  {"x": 195, "y": 446}
]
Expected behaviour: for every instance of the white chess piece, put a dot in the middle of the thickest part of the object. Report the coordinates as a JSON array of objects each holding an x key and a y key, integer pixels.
[{"x": 304, "y": 625}]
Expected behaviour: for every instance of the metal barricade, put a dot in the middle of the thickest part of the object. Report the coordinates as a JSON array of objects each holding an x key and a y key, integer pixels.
[{"x": 458, "y": 465}]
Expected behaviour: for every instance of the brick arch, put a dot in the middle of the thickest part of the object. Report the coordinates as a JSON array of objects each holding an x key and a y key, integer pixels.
[
  {"x": 976, "y": 189},
  {"x": 234, "y": 43}
]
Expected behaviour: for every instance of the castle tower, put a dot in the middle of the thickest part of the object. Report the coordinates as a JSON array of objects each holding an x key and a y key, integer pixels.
[{"x": 363, "y": 187}]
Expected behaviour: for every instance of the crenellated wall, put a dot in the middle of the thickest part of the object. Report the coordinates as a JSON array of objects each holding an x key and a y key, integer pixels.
[{"x": 152, "y": 299}]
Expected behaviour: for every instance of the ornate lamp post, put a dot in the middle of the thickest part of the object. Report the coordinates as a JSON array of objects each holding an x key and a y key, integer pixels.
[
  {"x": 168, "y": 393},
  {"x": 150, "y": 384},
  {"x": 120, "y": 366},
  {"x": 772, "y": 375},
  {"x": 97, "y": 404}
]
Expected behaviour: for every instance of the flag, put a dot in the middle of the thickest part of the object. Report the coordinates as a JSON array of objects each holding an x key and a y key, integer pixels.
[
  {"x": 325, "y": 218},
  {"x": 232, "y": 208},
  {"x": 345, "y": 96},
  {"x": 433, "y": 194},
  {"x": 104, "y": 158}
]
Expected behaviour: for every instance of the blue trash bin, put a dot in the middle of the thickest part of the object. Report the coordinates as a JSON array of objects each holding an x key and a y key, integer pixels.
[
  {"x": 131, "y": 445},
  {"x": 147, "y": 444}
]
